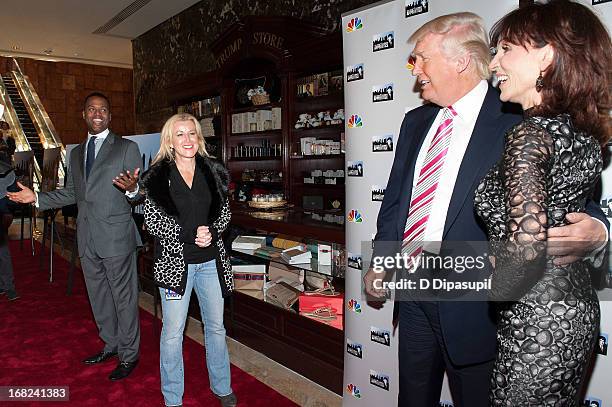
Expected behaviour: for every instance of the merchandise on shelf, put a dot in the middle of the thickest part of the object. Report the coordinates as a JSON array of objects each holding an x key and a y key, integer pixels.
[
  {"x": 312, "y": 146},
  {"x": 259, "y": 90},
  {"x": 324, "y": 118},
  {"x": 204, "y": 107},
  {"x": 268, "y": 198},
  {"x": 260, "y": 120},
  {"x": 249, "y": 276},
  {"x": 313, "y": 85},
  {"x": 329, "y": 177},
  {"x": 336, "y": 81},
  {"x": 268, "y": 252},
  {"x": 208, "y": 129},
  {"x": 248, "y": 242},
  {"x": 264, "y": 150},
  {"x": 262, "y": 176},
  {"x": 296, "y": 255}
]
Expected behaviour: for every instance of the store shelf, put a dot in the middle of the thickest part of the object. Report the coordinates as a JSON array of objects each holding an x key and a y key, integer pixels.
[
  {"x": 336, "y": 98},
  {"x": 213, "y": 138},
  {"x": 310, "y": 131},
  {"x": 290, "y": 221},
  {"x": 235, "y": 159},
  {"x": 313, "y": 265},
  {"x": 316, "y": 157},
  {"x": 320, "y": 186},
  {"x": 255, "y": 108},
  {"x": 263, "y": 183},
  {"x": 265, "y": 133}
]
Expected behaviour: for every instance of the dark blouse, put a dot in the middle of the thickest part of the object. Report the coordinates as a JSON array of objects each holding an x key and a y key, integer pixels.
[{"x": 193, "y": 207}]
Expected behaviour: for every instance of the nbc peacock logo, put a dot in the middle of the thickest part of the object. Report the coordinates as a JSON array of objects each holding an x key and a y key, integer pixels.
[
  {"x": 355, "y": 121},
  {"x": 353, "y": 390},
  {"x": 354, "y": 24},
  {"x": 355, "y": 216},
  {"x": 353, "y": 305}
]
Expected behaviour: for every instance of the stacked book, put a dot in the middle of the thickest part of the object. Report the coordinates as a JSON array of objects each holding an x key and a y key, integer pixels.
[
  {"x": 296, "y": 255},
  {"x": 268, "y": 252},
  {"x": 248, "y": 242}
]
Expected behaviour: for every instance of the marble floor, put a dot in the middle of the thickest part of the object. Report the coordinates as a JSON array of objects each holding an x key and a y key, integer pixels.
[{"x": 299, "y": 389}]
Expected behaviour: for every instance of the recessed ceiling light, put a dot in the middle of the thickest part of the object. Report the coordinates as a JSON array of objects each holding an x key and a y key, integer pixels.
[{"x": 48, "y": 51}]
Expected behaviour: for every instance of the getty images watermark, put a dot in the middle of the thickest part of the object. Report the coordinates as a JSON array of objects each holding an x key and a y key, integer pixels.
[
  {"x": 464, "y": 271},
  {"x": 455, "y": 269},
  {"x": 430, "y": 261}
]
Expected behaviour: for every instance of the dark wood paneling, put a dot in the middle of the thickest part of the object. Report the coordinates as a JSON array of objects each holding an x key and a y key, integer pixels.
[{"x": 62, "y": 87}]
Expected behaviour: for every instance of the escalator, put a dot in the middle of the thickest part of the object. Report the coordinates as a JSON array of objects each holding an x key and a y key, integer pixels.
[
  {"x": 29, "y": 130},
  {"x": 32, "y": 127}
]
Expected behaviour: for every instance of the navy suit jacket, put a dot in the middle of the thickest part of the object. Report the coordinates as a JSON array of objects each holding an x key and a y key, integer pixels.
[{"x": 468, "y": 327}]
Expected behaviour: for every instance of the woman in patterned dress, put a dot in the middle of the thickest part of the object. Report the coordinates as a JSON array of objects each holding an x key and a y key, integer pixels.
[
  {"x": 554, "y": 60},
  {"x": 186, "y": 210}
]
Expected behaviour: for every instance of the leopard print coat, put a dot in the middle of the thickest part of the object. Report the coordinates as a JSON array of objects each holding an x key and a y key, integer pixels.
[{"x": 160, "y": 212}]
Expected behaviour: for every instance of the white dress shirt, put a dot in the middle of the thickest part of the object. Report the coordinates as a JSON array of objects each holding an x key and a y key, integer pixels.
[
  {"x": 100, "y": 137},
  {"x": 467, "y": 108}
]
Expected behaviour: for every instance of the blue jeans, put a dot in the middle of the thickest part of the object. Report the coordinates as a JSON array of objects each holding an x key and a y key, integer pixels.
[{"x": 203, "y": 277}]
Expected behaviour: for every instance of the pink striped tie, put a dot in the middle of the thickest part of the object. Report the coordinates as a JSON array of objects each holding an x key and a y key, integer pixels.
[{"x": 425, "y": 190}]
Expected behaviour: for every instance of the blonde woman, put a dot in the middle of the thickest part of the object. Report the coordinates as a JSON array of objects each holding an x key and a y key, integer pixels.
[{"x": 186, "y": 210}]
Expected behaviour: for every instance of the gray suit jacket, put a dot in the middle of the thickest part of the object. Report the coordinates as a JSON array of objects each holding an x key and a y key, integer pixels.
[{"x": 105, "y": 213}]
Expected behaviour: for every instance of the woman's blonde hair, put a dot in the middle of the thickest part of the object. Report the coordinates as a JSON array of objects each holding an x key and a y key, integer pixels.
[{"x": 166, "y": 152}]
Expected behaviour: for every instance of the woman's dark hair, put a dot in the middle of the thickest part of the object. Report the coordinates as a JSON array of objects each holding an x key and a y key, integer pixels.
[{"x": 578, "y": 80}]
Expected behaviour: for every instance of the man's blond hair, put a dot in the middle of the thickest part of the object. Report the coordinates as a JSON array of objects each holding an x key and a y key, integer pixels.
[{"x": 463, "y": 32}]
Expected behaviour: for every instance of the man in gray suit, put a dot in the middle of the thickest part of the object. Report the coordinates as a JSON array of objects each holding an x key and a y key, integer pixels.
[{"x": 106, "y": 233}]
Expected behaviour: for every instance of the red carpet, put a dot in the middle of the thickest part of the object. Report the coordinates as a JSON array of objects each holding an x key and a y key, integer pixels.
[{"x": 45, "y": 334}]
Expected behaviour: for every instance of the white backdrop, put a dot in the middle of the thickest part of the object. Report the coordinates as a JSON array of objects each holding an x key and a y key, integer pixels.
[
  {"x": 370, "y": 363},
  {"x": 148, "y": 144}
]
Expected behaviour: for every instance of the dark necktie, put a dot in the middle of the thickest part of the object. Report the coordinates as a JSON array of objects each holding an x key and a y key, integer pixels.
[{"x": 91, "y": 155}]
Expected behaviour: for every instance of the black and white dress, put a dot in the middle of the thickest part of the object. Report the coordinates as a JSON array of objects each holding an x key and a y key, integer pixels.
[{"x": 548, "y": 315}]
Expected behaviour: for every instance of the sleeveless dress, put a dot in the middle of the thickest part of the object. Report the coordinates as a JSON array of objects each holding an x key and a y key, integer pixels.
[{"x": 548, "y": 315}]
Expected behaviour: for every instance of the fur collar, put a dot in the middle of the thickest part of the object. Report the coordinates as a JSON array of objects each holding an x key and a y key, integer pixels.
[{"x": 156, "y": 182}]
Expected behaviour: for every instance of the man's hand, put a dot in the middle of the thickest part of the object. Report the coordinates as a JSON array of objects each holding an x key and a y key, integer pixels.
[
  {"x": 203, "y": 236},
  {"x": 127, "y": 181},
  {"x": 577, "y": 240},
  {"x": 368, "y": 281},
  {"x": 26, "y": 195}
]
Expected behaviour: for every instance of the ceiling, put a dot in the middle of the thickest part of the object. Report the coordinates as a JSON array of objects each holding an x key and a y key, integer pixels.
[{"x": 74, "y": 30}]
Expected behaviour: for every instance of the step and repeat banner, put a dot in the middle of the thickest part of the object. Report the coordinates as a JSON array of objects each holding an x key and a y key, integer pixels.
[{"x": 379, "y": 90}]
